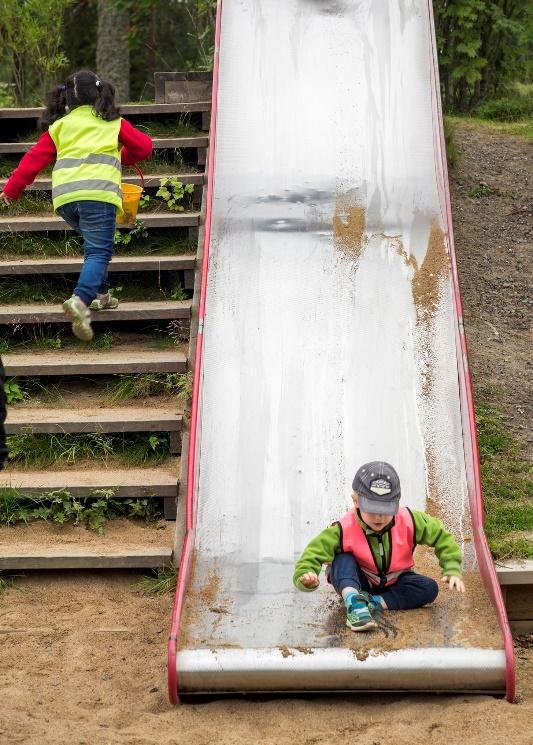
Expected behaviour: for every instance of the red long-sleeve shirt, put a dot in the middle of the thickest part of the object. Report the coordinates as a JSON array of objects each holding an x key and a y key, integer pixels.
[{"x": 136, "y": 145}]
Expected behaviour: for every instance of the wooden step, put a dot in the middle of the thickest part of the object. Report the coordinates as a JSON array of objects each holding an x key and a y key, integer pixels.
[
  {"x": 159, "y": 143},
  {"x": 36, "y": 419},
  {"x": 125, "y": 544},
  {"x": 94, "y": 362},
  {"x": 137, "y": 311},
  {"x": 72, "y": 265},
  {"x": 32, "y": 223},
  {"x": 151, "y": 180},
  {"x": 126, "y": 109},
  {"x": 125, "y": 482}
]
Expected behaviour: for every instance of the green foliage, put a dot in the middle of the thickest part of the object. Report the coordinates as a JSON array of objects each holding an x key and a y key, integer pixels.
[
  {"x": 126, "y": 387},
  {"x": 480, "y": 191},
  {"x": 162, "y": 581},
  {"x": 61, "y": 507},
  {"x": 137, "y": 231},
  {"x": 172, "y": 192},
  {"x": 511, "y": 108},
  {"x": 178, "y": 293},
  {"x": 30, "y": 34},
  {"x": 507, "y": 486},
  {"x": 482, "y": 46},
  {"x": 13, "y": 391}
]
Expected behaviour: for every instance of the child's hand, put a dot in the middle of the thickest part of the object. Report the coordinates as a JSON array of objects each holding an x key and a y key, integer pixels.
[
  {"x": 310, "y": 580},
  {"x": 454, "y": 583},
  {"x": 5, "y": 199}
]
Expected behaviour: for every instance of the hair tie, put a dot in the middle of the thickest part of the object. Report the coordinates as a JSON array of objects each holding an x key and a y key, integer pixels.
[{"x": 98, "y": 83}]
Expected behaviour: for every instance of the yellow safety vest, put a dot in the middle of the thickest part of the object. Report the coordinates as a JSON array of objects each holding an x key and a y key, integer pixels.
[{"x": 88, "y": 158}]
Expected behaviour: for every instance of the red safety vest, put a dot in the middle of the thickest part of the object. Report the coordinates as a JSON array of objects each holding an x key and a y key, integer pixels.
[{"x": 402, "y": 539}]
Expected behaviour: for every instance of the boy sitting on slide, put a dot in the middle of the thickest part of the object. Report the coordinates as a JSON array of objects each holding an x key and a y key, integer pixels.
[{"x": 370, "y": 550}]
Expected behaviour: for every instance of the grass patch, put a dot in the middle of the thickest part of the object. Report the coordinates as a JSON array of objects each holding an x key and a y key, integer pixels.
[
  {"x": 45, "y": 450},
  {"x": 522, "y": 129},
  {"x": 61, "y": 507},
  {"x": 127, "y": 387},
  {"x": 24, "y": 245},
  {"x": 57, "y": 288},
  {"x": 162, "y": 581},
  {"x": 31, "y": 202},
  {"x": 507, "y": 486}
]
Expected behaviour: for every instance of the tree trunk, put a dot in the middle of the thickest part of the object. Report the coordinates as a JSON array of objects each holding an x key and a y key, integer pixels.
[{"x": 112, "y": 50}]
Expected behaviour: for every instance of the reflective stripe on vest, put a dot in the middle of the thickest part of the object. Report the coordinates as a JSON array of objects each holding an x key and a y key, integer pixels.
[
  {"x": 88, "y": 158},
  {"x": 402, "y": 534}
]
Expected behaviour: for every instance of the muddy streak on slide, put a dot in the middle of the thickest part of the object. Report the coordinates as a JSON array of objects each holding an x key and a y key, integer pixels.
[{"x": 329, "y": 340}]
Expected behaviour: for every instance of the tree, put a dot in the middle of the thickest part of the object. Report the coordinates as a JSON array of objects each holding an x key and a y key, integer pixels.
[
  {"x": 30, "y": 32},
  {"x": 112, "y": 49}
]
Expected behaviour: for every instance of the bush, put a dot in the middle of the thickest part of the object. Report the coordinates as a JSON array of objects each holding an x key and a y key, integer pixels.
[{"x": 506, "y": 109}]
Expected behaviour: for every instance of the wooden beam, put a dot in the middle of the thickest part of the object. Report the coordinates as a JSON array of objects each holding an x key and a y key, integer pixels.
[
  {"x": 145, "y": 311},
  {"x": 159, "y": 143},
  {"x": 126, "y": 483},
  {"x": 71, "y": 557},
  {"x": 61, "y": 265},
  {"x": 78, "y": 420},
  {"x": 151, "y": 180},
  {"x": 126, "y": 109},
  {"x": 96, "y": 362},
  {"x": 33, "y": 223},
  {"x": 516, "y": 572}
]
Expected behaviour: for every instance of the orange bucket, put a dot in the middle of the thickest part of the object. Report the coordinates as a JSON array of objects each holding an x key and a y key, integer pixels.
[{"x": 131, "y": 196}]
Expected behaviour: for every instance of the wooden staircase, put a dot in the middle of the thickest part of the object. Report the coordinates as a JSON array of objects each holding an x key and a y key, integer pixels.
[{"x": 77, "y": 371}]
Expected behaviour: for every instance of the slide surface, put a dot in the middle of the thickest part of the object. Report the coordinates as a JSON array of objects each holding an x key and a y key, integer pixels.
[{"x": 330, "y": 335}]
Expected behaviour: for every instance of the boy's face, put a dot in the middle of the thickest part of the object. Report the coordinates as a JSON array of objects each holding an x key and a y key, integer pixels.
[{"x": 373, "y": 520}]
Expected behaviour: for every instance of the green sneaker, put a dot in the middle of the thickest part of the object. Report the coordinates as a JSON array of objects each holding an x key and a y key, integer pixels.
[
  {"x": 358, "y": 612},
  {"x": 80, "y": 316},
  {"x": 104, "y": 302}
]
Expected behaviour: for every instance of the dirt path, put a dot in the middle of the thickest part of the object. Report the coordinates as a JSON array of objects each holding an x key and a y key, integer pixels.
[
  {"x": 494, "y": 244},
  {"x": 83, "y": 663}
]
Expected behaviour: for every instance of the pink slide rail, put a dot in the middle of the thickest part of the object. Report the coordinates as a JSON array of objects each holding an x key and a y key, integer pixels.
[
  {"x": 475, "y": 493},
  {"x": 486, "y": 564}
]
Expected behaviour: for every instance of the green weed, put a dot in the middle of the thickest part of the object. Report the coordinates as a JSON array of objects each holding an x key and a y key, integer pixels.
[
  {"x": 32, "y": 202},
  {"x": 18, "y": 245},
  {"x": 480, "y": 191},
  {"x": 13, "y": 391},
  {"x": 173, "y": 192},
  {"x": 507, "y": 486},
  {"x": 163, "y": 580},
  {"x": 61, "y": 507}
]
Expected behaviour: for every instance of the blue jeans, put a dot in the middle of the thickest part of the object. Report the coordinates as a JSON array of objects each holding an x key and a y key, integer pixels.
[
  {"x": 411, "y": 590},
  {"x": 95, "y": 221}
]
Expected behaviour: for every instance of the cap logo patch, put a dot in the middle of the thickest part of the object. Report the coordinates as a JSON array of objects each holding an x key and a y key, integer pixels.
[{"x": 380, "y": 487}]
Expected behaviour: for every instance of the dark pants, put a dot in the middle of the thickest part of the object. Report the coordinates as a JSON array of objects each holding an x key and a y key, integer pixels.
[
  {"x": 411, "y": 590},
  {"x": 95, "y": 221}
]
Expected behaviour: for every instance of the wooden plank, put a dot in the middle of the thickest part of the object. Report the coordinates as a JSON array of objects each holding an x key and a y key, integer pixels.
[
  {"x": 68, "y": 420},
  {"x": 177, "y": 87},
  {"x": 71, "y": 557},
  {"x": 95, "y": 362},
  {"x": 519, "y": 602},
  {"x": 150, "y": 180},
  {"x": 126, "y": 109},
  {"x": 33, "y": 223},
  {"x": 62, "y": 265},
  {"x": 146, "y": 311},
  {"x": 515, "y": 573},
  {"x": 522, "y": 627},
  {"x": 126, "y": 483},
  {"x": 159, "y": 143}
]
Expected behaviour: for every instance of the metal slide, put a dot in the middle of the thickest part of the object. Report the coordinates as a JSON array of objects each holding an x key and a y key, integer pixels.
[{"x": 330, "y": 334}]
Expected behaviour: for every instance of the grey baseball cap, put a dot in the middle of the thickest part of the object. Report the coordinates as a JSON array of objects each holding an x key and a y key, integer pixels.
[{"x": 378, "y": 486}]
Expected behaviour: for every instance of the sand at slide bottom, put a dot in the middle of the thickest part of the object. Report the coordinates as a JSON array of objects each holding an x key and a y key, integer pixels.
[{"x": 83, "y": 662}]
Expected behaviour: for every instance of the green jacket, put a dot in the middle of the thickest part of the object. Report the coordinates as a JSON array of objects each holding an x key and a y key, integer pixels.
[{"x": 428, "y": 531}]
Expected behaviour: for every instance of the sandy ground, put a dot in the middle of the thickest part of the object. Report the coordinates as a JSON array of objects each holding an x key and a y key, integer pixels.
[
  {"x": 83, "y": 656},
  {"x": 83, "y": 663}
]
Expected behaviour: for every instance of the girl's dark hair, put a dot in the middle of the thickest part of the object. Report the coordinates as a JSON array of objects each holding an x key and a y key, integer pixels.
[{"x": 82, "y": 88}]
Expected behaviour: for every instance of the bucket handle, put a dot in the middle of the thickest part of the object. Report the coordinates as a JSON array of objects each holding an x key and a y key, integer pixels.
[{"x": 140, "y": 174}]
